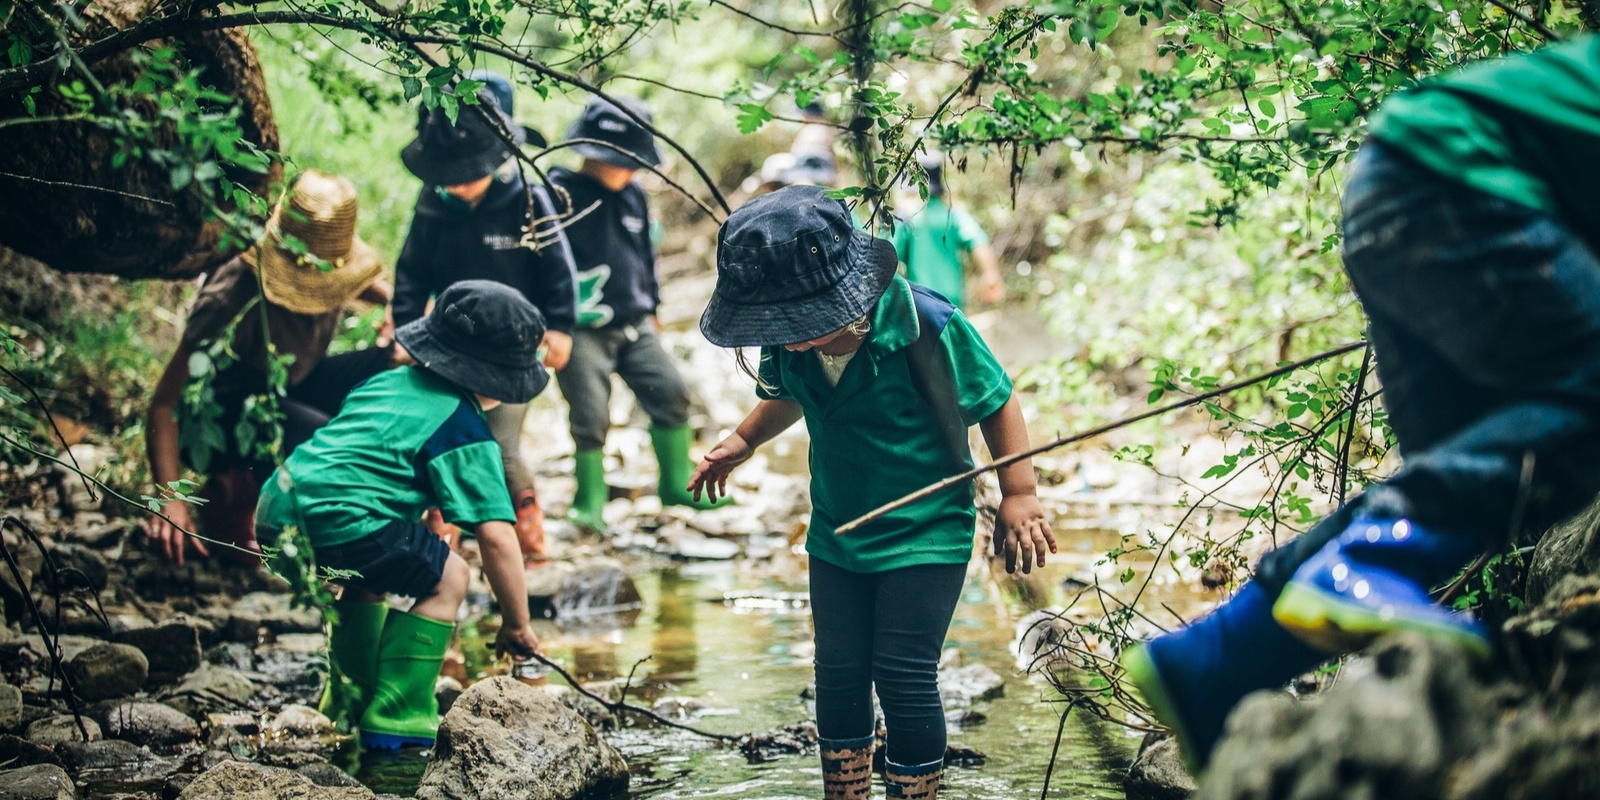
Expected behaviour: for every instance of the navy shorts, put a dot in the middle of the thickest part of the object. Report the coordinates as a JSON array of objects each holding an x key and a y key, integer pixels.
[{"x": 403, "y": 558}]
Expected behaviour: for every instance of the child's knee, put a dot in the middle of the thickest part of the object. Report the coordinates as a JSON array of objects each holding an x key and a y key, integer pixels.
[{"x": 455, "y": 577}]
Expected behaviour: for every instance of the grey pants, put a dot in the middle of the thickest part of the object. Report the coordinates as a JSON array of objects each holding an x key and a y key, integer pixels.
[
  {"x": 505, "y": 422},
  {"x": 635, "y": 353}
]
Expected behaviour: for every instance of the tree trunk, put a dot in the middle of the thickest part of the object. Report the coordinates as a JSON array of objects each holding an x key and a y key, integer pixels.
[{"x": 62, "y": 202}]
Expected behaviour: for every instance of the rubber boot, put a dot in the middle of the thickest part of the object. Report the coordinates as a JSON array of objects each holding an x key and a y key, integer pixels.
[
  {"x": 529, "y": 526},
  {"x": 846, "y": 768},
  {"x": 1373, "y": 579},
  {"x": 672, "y": 454},
  {"x": 229, "y": 514},
  {"x": 920, "y": 782},
  {"x": 589, "y": 500},
  {"x": 447, "y": 532},
  {"x": 1193, "y": 677},
  {"x": 353, "y": 652},
  {"x": 404, "y": 711}
]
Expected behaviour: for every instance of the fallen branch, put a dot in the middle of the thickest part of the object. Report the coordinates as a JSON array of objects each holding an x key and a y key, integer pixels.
[{"x": 620, "y": 706}]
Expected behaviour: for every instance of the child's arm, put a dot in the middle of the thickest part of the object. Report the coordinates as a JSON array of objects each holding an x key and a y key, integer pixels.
[
  {"x": 1020, "y": 526},
  {"x": 502, "y": 565},
  {"x": 993, "y": 286},
  {"x": 768, "y": 419}
]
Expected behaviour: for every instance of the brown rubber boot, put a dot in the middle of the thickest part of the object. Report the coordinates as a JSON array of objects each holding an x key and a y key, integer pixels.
[
  {"x": 229, "y": 514},
  {"x": 914, "y": 783},
  {"x": 847, "y": 769},
  {"x": 529, "y": 525}
]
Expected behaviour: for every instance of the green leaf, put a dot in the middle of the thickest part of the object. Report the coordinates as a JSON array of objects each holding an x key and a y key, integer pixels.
[{"x": 751, "y": 117}]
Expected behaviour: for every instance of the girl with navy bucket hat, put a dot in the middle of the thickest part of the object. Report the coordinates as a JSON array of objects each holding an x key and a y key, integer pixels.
[{"x": 888, "y": 377}]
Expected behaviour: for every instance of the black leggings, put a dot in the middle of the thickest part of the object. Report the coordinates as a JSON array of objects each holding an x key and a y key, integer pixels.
[{"x": 885, "y": 629}]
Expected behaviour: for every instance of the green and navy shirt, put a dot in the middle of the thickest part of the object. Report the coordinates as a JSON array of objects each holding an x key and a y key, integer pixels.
[
  {"x": 405, "y": 441},
  {"x": 1525, "y": 128},
  {"x": 931, "y": 243},
  {"x": 884, "y": 431}
]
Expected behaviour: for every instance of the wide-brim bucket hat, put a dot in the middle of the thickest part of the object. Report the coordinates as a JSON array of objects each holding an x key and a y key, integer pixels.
[
  {"x": 484, "y": 337},
  {"x": 446, "y": 153},
  {"x": 791, "y": 267},
  {"x": 604, "y": 121},
  {"x": 334, "y": 266}
]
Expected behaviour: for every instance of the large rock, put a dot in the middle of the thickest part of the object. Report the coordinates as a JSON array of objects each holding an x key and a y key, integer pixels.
[
  {"x": 506, "y": 739},
  {"x": 588, "y": 588},
  {"x": 10, "y": 707},
  {"x": 236, "y": 780},
  {"x": 171, "y": 649},
  {"x": 38, "y": 782},
  {"x": 147, "y": 723},
  {"x": 1157, "y": 772},
  {"x": 62, "y": 728},
  {"x": 269, "y": 611},
  {"x": 211, "y": 689},
  {"x": 108, "y": 670},
  {"x": 961, "y": 686},
  {"x": 116, "y": 760}
]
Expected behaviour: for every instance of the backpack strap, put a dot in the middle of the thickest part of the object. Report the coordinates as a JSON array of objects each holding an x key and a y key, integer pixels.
[{"x": 931, "y": 374}]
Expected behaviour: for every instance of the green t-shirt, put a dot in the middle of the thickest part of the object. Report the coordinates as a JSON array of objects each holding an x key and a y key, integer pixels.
[
  {"x": 1525, "y": 128},
  {"x": 879, "y": 434},
  {"x": 931, "y": 243},
  {"x": 405, "y": 441}
]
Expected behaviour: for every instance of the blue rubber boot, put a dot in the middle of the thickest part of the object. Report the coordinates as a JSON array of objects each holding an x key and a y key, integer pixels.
[
  {"x": 1193, "y": 677},
  {"x": 1373, "y": 579}
]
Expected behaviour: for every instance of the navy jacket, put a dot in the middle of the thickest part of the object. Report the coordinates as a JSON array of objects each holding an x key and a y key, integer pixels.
[
  {"x": 611, "y": 246},
  {"x": 450, "y": 241}
]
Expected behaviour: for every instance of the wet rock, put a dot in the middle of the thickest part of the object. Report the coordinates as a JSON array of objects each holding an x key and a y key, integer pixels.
[
  {"x": 322, "y": 773},
  {"x": 446, "y": 690},
  {"x": 233, "y": 655},
  {"x": 591, "y": 586},
  {"x": 210, "y": 689},
  {"x": 1395, "y": 731},
  {"x": 259, "y": 611},
  {"x": 37, "y": 782},
  {"x": 17, "y": 751},
  {"x": 235, "y": 780},
  {"x": 965, "y": 685},
  {"x": 107, "y": 670},
  {"x": 226, "y": 730},
  {"x": 79, "y": 567},
  {"x": 957, "y": 754},
  {"x": 171, "y": 649},
  {"x": 963, "y": 718},
  {"x": 504, "y": 738},
  {"x": 113, "y": 759},
  {"x": 1570, "y": 548},
  {"x": 1157, "y": 772},
  {"x": 679, "y": 708},
  {"x": 147, "y": 722},
  {"x": 298, "y": 720},
  {"x": 61, "y": 728},
  {"x": 800, "y": 737},
  {"x": 11, "y": 708},
  {"x": 593, "y": 711}
]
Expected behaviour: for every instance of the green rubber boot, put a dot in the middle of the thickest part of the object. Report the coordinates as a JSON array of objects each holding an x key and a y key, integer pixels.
[
  {"x": 672, "y": 453},
  {"x": 589, "y": 500},
  {"x": 403, "y": 711},
  {"x": 353, "y": 652}
]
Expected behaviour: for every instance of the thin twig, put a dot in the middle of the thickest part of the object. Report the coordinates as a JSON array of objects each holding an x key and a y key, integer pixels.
[
  {"x": 65, "y": 448},
  {"x": 644, "y": 712}
]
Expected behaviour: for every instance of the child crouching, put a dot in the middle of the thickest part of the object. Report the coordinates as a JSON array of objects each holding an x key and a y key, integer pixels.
[{"x": 405, "y": 441}]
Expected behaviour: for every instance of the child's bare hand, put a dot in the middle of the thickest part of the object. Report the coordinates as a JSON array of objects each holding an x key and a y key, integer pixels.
[
  {"x": 517, "y": 641},
  {"x": 711, "y": 474},
  {"x": 1021, "y": 532}
]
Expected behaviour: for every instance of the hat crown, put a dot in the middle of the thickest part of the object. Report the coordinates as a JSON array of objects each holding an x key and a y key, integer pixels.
[
  {"x": 322, "y": 213},
  {"x": 490, "y": 319},
  {"x": 788, "y": 245},
  {"x": 605, "y": 121}
]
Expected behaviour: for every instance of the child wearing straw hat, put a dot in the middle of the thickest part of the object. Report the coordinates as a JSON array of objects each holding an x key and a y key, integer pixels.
[
  {"x": 473, "y": 221},
  {"x": 410, "y": 439},
  {"x": 296, "y": 297},
  {"x": 888, "y": 377}
]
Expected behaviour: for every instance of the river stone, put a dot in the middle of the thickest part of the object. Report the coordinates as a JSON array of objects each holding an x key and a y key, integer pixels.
[
  {"x": 115, "y": 760},
  {"x": 17, "y": 751},
  {"x": 446, "y": 691},
  {"x": 236, "y": 780},
  {"x": 506, "y": 739},
  {"x": 108, "y": 670},
  {"x": 148, "y": 723},
  {"x": 1396, "y": 731},
  {"x": 965, "y": 685},
  {"x": 1157, "y": 772},
  {"x": 61, "y": 728},
  {"x": 211, "y": 689},
  {"x": 269, "y": 611},
  {"x": 171, "y": 649},
  {"x": 37, "y": 782},
  {"x": 322, "y": 773},
  {"x": 298, "y": 720},
  {"x": 10, "y": 707},
  {"x": 90, "y": 565}
]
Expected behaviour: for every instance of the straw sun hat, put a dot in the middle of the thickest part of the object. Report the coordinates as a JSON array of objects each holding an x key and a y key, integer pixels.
[{"x": 322, "y": 215}]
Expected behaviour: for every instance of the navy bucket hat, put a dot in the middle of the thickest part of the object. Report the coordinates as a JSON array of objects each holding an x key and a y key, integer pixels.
[
  {"x": 792, "y": 266},
  {"x": 484, "y": 337},
  {"x": 605, "y": 122},
  {"x": 447, "y": 154}
]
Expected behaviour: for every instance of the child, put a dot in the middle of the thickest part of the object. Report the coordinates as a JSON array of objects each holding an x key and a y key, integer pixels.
[
  {"x": 469, "y": 224},
  {"x": 888, "y": 376},
  {"x": 931, "y": 241},
  {"x": 617, "y": 298},
  {"x": 1470, "y": 236},
  {"x": 407, "y": 440}
]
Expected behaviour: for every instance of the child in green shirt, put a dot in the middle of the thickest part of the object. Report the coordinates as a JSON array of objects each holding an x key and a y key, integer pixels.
[
  {"x": 888, "y": 377},
  {"x": 405, "y": 441}
]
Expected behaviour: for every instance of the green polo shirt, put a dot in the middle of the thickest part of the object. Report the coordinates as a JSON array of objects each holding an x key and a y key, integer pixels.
[
  {"x": 877, "y": 436},
  {"x": 1525, "y": 128},
  {"x": 932, "y": 242},
  {"x": 405, "y": 441}
]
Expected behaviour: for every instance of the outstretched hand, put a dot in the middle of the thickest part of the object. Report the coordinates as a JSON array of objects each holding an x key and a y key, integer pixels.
[
  {"x": 517, "y": 641},
  {"x": 1021, "y": 532},
  {"x": 171, "y": 538},
  {"x": 711, "y": 474}
]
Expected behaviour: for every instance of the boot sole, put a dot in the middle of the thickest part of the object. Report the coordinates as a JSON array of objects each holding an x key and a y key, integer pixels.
[
  {"x": 391, "y": 741},
  {"x": 1146, "y": 677},
  {"x": 1336, "y": 626}
]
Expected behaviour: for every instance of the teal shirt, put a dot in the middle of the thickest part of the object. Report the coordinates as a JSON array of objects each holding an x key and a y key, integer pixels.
[
  {"x": 878, "y": 435},
  {"x": 1525, "y": 128},
  {"x": 405, "y": 441},
  {"x": 932, "y": 242}
]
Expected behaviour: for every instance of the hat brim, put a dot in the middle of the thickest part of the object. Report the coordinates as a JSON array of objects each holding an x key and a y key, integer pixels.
[
  {"x": 506, "y": 384},
  {"x": 729, "y": 323},
  {"x": 455, "y": 170},
  {"x": 616, "y": 158}
]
